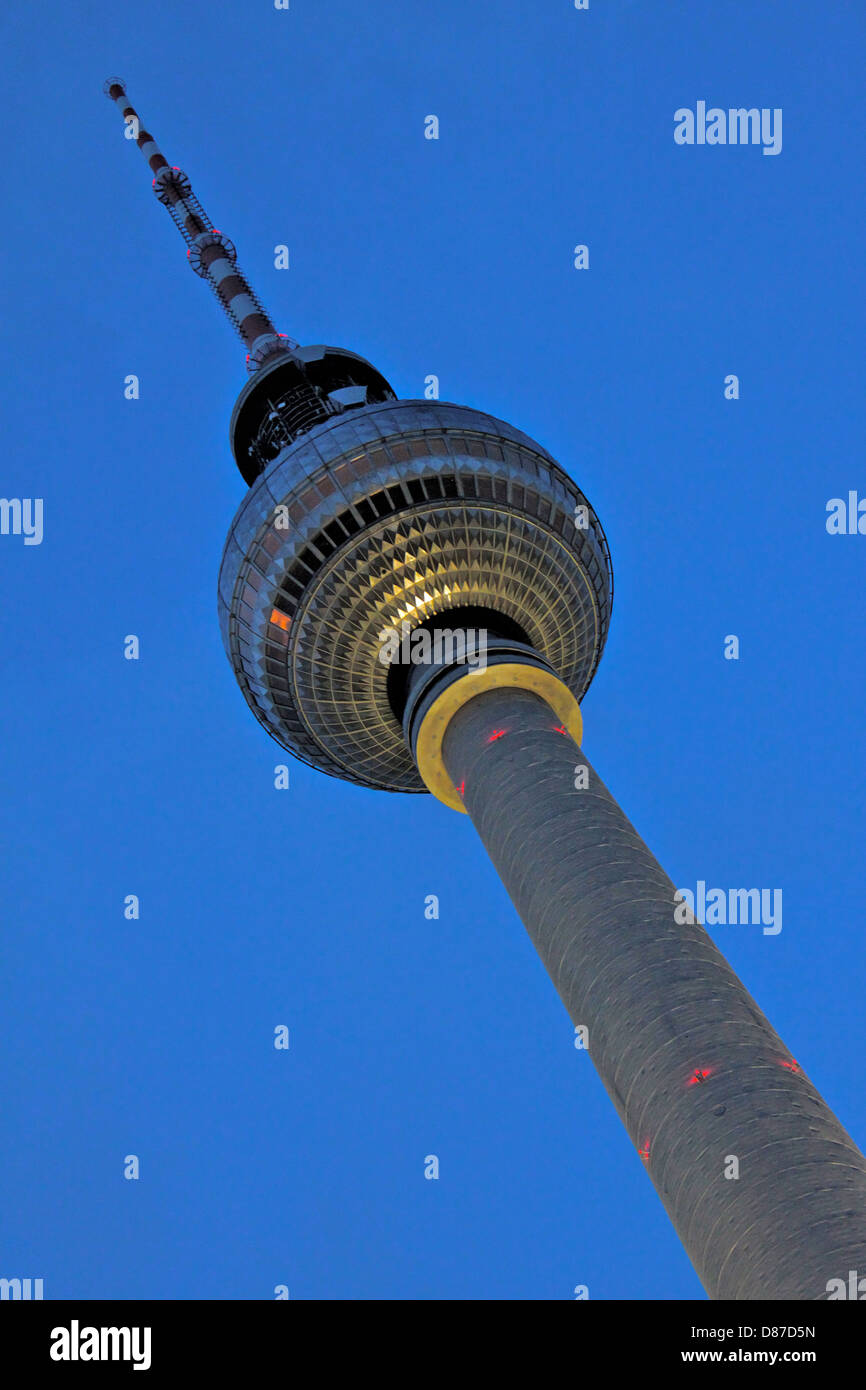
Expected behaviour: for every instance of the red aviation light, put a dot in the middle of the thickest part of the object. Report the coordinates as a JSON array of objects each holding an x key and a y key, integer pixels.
[
  {"x": 460, "y": 789},
  {"x": 644, "y": 1152},
  {"x": 698, "y": 1075},
  {"x": 560, "y": 729},
  {"x": 497, "y": 733},
  {"x": 791, "y": 1066}
]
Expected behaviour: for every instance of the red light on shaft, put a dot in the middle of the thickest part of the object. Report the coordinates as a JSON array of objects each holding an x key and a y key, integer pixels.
[{"x": 698, "y": 1075}]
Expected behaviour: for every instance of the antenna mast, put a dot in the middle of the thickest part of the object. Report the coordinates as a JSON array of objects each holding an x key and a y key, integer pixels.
[{"x": 211, "y": 254}]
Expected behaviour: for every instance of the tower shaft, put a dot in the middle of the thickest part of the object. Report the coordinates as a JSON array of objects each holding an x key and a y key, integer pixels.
[{"x": 696, "y": 1072}]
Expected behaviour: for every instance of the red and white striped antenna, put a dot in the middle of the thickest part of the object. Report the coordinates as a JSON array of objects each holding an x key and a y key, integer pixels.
[{"x": 211, "y": 254}]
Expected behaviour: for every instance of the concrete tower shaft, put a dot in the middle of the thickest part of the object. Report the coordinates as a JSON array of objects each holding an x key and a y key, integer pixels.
[{"x": 696, "y": 1072}]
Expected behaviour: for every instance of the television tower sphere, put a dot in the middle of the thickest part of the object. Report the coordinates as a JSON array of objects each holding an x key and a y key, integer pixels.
[{"x": 380, "y": 519}]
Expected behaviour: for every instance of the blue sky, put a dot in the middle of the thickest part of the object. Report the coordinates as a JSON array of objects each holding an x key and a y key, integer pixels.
[{"x": 306, "y": 907}]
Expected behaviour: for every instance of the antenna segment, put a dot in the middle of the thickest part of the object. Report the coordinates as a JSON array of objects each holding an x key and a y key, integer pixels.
[{"x": 211, "y": 254}]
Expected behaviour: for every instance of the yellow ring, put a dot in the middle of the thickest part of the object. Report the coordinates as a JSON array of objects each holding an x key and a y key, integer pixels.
[{"x": 428, "y": 749}]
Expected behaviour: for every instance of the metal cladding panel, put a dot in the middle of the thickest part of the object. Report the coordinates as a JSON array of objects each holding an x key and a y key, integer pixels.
[{"x": 695, "y": 1070}]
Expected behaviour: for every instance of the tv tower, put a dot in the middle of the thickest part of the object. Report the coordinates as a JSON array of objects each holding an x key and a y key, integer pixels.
[{"x": 367, "y": 516}]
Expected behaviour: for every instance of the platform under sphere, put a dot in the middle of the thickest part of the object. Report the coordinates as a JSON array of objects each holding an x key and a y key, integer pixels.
[{"x": 393, "y": 514}]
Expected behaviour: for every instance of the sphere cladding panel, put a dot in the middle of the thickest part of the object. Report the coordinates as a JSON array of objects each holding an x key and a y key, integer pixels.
[{"x": 393, "y": 513}]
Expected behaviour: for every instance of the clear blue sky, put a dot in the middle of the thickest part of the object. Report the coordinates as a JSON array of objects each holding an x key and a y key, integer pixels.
[{"x": 408, "y": 1037}]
